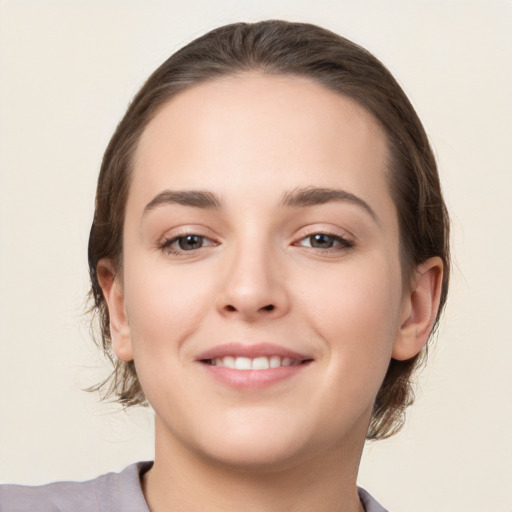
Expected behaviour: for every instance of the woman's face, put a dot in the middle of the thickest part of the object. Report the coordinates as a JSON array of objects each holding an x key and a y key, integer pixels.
[{"x": 260, "y": 233}]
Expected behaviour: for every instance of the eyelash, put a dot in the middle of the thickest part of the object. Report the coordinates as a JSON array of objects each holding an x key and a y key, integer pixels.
[
  {"x": 341, "y": 243},
  {"x": 167, "y": 244}
]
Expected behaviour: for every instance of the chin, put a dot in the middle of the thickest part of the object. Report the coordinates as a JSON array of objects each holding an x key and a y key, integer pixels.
[
  {"x": 264, "y": 437},
  {"x": 261, "y": 441},
  {"x": 258, "y": 458},
  {"x": 255, "y": 439}
]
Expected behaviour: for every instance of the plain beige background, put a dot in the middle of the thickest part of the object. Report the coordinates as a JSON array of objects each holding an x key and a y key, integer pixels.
[{"x": 68, "y": 70}]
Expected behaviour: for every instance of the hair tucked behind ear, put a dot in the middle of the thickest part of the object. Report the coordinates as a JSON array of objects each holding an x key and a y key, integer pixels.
[{"x": 279, "y": 47}]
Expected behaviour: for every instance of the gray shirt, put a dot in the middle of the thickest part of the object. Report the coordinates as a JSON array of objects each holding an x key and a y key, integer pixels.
[{"x": 112, "y": 492}]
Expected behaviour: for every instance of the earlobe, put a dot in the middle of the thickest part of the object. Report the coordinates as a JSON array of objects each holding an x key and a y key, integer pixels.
[
  {"x": 111, "y": 286},
  {"x": 419, "y": 310}
]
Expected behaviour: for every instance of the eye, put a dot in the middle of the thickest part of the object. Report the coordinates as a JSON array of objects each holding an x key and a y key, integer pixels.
[
  {"x": 186, "y": 243},
  {"x": 190, "y": 242},
  {"x": 325, "y": 241}
]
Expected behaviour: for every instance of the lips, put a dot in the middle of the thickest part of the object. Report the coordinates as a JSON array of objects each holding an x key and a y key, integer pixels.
[
  {"x": 223, "y": 355},
  {"x": 245, "y": 366},
  {"x": 257, "y": 363}
]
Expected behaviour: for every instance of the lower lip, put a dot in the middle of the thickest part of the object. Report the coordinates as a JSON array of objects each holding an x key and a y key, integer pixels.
[{"x": 253, "y": 379}]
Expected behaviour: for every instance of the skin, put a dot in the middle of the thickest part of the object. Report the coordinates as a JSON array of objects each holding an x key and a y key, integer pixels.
[{"x": 255, "y": 277}]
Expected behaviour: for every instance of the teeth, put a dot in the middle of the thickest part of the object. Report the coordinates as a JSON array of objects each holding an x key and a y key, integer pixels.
[
  {"x": 275, "y": 362},
  {"x": 243, "y": 363},
  {"x": 258, "y": 363},
  {"x": 228, "y": 361}
]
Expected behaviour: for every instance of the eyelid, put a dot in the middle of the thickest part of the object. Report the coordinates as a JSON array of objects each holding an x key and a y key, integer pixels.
[
  {"x": 342, "y": 241},
  {"x": 168, "y": 245},
  {"x": 346, "y": 240},
  {"x": 171, "y": 237}
]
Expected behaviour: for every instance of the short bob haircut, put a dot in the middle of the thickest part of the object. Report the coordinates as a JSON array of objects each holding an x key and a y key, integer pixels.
[{"x": 296, "y": 49}]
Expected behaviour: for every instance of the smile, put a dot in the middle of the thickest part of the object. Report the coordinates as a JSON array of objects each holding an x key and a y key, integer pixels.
[
  {"x": 252, "y": 366},
  {"x": 257, "y": 363}
]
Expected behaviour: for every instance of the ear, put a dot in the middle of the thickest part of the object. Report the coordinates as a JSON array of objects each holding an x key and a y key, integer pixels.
[
  {"x": 111, "y": 286},
  {"x": 419, "y": 309}
]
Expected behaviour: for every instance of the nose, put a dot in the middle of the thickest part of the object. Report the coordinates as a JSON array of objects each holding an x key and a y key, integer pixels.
[{"x": 253, "y": 287}]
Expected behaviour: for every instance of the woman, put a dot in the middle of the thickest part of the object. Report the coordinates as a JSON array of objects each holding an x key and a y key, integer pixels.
[{"x": 268, "y": 257}]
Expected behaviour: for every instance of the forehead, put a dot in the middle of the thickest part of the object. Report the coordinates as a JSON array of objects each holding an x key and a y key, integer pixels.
[{"x": 253, "y": 128}]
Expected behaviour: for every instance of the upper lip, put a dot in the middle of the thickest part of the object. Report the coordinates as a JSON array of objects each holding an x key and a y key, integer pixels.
[{"x": 237, "y": 349}]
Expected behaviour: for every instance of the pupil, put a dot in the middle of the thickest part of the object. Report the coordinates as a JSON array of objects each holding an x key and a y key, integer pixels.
[
  {"x": 190, "y": 242},
  {"x": 321, "y": 241}
]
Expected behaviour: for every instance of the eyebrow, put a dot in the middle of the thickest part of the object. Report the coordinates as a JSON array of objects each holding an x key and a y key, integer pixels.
[
  {"x": 298, "y": 197},
  {"x": 312, "y": 196},
  {"x": 194, "y": 198}
]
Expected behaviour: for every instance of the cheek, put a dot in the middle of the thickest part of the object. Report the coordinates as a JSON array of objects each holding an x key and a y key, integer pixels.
[
  {"x": 355, "y": 310},
  {"x": 164, "y": 305}
]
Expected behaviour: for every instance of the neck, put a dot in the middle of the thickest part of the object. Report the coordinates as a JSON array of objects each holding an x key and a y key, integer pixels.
[{"x": 184, "y": 481}]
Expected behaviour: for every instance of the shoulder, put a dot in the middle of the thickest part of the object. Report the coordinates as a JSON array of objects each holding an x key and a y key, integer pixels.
[
  {"x": 109, "y": 492},
  {"x": 369, "y": 503}
]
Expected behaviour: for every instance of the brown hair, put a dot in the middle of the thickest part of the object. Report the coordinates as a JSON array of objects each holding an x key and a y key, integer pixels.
[{"x": 305, "y": 50}]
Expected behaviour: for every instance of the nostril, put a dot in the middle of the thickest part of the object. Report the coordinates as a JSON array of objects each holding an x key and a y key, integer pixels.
[{"x": 231, "y": 308}]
